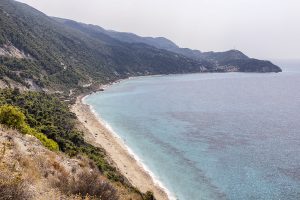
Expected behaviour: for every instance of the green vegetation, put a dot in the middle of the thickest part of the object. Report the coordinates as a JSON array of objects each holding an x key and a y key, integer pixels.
[
  {"x": 50, "y": 120},
  {"x": 149, "y": 196},
  {"x": 12, "y": 117},
  {"x": 47, "y": 116},
  {"x": 212, "y": 61},
  {"x": 21, "y": 69},
  {"x": 67, "y": 56},
  {"x": 49, "y": 143}
]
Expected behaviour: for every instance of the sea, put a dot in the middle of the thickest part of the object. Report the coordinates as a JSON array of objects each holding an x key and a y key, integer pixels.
[{"x": 210, "y": 136}]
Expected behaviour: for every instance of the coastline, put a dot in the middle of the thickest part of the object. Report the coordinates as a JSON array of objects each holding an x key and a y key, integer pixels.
[{"x": 117, "y": 151}]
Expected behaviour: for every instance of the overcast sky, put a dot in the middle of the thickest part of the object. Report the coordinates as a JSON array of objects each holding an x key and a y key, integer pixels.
[{"x": 266, "y": 29}]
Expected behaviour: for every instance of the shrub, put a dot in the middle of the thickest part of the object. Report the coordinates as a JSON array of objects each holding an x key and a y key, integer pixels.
[
  {"x": 87, "y": 183},
  {"x": 90, "y": 183},
  {"x": 50, "y": 116},
  {"x": 13, "y": 187},
  {"x": 11, "y": 116},
  {"x": 49, "y": 143},
  {"x": 149, "y": 196}
]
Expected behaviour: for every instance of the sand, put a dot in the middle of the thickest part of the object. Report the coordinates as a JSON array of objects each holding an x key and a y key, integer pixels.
[{"x": 116, "y": 151}]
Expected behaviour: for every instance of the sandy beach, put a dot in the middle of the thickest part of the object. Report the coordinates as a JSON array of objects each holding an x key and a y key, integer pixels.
[{"x": 116, "y": 150}]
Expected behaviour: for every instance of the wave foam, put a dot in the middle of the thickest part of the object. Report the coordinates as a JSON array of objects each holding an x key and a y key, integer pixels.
[{"x": 154, "y": 178}]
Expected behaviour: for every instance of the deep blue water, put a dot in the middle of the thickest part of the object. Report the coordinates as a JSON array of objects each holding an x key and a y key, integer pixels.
[{"x": 212, "y": 136}]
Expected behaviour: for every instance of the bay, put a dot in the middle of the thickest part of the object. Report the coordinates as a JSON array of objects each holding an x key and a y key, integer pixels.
[{"x": 212, "y": 136}]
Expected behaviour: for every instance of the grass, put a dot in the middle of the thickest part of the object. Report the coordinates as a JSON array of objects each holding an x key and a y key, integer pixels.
[{"x": 12, "y": 184}]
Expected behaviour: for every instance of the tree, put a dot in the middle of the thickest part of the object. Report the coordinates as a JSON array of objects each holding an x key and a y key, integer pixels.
[
  {"x": 149, "y": 196},
  {"x": 11, "y": 116}
]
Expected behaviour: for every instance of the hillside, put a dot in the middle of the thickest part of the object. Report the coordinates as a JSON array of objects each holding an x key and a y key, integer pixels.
[
  {"x": 37, "y": 51},
  {"x": 47, "y": 60},
  {"x": 41, "y": 138},
  {"x": 219, "y": 61},
  {"x": 50, "y": 54},
  {"x": 30, "y": 171}
]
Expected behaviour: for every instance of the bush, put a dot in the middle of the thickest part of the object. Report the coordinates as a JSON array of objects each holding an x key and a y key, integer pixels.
[
  {"x": 13, "y": 187},
  {"x": 50, "y": 144},
  {"x": 90, "y": 183},
  {"x": 11, "y": 116},
  {"x": 46, "y": 114},
  {"x": 149, "y": 196},
  {"x": 87, "y": 183}
]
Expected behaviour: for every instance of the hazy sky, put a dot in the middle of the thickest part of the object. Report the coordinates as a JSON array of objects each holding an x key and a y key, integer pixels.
[{"x": 266, "y": 29}]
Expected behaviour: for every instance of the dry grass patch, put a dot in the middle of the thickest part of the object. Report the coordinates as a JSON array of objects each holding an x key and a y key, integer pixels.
[{"x": 12, "y": 184}]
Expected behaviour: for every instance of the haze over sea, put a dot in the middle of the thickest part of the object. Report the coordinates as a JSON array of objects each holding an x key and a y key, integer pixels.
[{"x": 212, "y": 136}]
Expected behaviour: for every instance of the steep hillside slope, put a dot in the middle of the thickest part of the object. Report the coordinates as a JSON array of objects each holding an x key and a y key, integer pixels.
[
  {"x": 55, "y": 55},
  {"x": 30, "y": 171},
  {"x": 220, "y": 61},
  {"x": 50, "y": 121},
  {"x": 37, "y": 51}
]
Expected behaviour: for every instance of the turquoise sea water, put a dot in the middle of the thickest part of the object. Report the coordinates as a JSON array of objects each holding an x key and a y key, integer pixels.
[{"x": 212, "y": 136}]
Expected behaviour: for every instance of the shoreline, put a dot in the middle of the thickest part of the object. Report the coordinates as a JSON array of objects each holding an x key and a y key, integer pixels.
[{"x": 122, "y": 156}]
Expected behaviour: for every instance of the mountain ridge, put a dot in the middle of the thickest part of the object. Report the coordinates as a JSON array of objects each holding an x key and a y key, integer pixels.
[
  {"x": 224, "y": 59},
  {"x": 60, "y": 54},
  {"x": 57, "y": 59}
]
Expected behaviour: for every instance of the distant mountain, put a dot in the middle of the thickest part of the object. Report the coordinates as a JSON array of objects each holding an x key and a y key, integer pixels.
[
  {"x": 38, "y": 51},
  {"x": 232, "y": 60}
]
